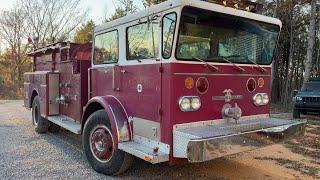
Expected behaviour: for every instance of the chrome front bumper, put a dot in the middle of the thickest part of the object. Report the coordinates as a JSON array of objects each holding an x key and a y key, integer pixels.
[{"x": 208, "y": 141}]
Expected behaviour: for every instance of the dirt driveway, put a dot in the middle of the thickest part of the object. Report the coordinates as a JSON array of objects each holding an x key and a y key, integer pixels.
[{"x": 27, "y": 155}]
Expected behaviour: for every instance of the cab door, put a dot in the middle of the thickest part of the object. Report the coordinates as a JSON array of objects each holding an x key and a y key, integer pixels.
[{"x": 141, "y": 76}]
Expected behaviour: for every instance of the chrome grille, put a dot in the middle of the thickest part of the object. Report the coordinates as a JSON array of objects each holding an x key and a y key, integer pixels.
[{"x": 311, "y": 99}]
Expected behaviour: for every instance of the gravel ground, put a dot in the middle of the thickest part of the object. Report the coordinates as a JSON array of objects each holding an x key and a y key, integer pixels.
[{"x": 25, "y": 154}]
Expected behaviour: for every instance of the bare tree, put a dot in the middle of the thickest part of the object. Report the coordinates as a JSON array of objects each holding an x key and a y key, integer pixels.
[
  {"x": 12, "y": 33},
  {"x": 311, "y": 40},
  {"x": 125, "y": 7},
  {"x": 52, "y": 20},
  {"x": 148, "y": 3}
]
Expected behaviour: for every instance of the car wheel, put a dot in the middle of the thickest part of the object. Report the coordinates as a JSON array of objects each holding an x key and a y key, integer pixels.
[
  {"x": 296, "y": 113},
  {"x": 40, "y": 124},
  {"x": 100, "y": 148}
]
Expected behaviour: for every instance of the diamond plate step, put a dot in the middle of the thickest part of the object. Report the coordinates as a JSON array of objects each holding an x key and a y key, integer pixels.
[
  {"x": 225, "y": 129},
  {"x": 213, "y": 138},
  {"x": 66, "y": 122},
  {"x": 146, "y": 149}
]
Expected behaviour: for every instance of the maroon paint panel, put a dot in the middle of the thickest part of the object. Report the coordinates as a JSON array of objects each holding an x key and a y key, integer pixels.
[
  {"x": 74, "y": 73},
  {"x": 72, "y": 62},
  {"x": 124, "y": 83},
  {"x": 27, "y": 90},
  {"x": 228, "y": 77},
  {"x": 37, "y": 82}
]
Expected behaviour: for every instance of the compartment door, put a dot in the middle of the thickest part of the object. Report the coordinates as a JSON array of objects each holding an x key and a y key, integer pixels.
[{"x": 53, "y": 94}]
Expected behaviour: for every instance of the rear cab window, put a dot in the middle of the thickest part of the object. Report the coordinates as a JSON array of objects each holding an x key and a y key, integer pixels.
[
  {"x": 106, "y": 48},
  {"x": 143, "y": 41}
]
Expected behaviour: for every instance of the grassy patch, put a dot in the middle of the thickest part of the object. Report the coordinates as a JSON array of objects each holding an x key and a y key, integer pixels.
[
  {"x": 304, "y": 151},
  {"x": 315, "y": 131},
  {"x": 295, "y": 165},
  {"x": 307, "y": 141}
]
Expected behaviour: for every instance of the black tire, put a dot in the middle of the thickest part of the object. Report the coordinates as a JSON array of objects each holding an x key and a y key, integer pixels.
[
  {"x": 296, "y": 113},
  {"x": 40, "y": 124},
  {"x": 53, "y": 128},
  {"x": 118, "y": 162}
]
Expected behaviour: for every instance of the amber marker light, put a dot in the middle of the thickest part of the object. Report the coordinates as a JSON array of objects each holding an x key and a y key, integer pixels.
[
  {"x": 148, "y": 158},
  {"x": 189, "y": 82},
  {"x": 260, "y": 82}
]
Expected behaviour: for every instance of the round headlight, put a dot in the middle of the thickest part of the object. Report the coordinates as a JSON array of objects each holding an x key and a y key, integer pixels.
[
  {"x": 195, "y": 103},
  {"x": 265, "y": 99},
  {"x": 298, "y": 98},
  {"x": 185, "y": 104},
  {"x": 258, "y": 99}
]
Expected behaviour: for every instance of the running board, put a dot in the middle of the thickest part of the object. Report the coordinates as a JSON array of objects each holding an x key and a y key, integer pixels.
[
  {"x": 66, "y": 122},
  {"x": 146, "y": 149}
]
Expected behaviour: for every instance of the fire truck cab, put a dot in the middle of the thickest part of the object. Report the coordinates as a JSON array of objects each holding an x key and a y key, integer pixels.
[{"x": 182, "y": 81}]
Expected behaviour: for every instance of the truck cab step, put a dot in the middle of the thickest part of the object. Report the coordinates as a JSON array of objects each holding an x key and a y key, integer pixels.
[
  {"x": 66, "y": 122},
  {"x": 146, "y": 149}
]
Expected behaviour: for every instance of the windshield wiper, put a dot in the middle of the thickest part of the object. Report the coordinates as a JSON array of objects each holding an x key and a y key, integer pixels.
[
  {"x": 206, "y": 63},
  {"x": 263, "y": 70},
  {"x": 228, "y": 61}
]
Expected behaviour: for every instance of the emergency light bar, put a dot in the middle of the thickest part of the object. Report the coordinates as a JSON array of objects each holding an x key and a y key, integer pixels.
[{"x": 239, "y": 4}]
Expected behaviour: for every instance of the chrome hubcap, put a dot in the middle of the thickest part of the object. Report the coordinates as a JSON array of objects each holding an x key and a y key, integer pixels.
[{"x": 101, "y": 143}]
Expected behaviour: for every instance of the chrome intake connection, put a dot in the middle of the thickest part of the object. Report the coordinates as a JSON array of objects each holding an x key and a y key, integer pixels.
[{"x": 229, "y": 112}]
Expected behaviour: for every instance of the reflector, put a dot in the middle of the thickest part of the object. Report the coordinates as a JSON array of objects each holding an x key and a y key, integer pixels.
[
  {"x": 202, "y": 85},
  {"x": 251, "y": 85}
]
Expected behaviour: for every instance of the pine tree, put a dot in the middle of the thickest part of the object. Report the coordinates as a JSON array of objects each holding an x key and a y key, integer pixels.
[{"x": 84, "y": 34}]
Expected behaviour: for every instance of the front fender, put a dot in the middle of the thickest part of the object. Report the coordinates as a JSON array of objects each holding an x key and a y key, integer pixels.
[{"x": 117, "y": 116}]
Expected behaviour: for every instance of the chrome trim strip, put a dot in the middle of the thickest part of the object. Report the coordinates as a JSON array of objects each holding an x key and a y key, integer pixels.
[
  {"x": 216, "y": 121},
  {"x": 208, "y": 74},
  {"x": 214, "y": 63}
]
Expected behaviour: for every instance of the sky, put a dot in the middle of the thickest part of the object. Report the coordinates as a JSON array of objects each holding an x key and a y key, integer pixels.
[{"x": 98, "y": 9}]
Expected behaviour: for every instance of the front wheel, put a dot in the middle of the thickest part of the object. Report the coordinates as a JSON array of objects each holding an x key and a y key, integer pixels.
[{"x": 99, "y": 146}]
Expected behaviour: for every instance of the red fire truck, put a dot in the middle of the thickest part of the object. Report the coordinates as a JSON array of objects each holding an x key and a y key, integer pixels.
[{"x": 182, "y": 81}]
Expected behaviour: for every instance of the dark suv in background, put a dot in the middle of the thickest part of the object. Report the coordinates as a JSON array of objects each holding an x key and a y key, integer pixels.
[{"x": 308, "y": 100}]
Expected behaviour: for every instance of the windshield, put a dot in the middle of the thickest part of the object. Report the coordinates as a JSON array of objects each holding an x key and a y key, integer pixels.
[
  {"x": 214, "y": 36},
  {"x": 312, "y": 86}
]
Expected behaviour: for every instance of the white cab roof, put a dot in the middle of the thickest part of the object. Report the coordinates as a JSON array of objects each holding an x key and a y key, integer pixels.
[{"x": 181, "y": 3}]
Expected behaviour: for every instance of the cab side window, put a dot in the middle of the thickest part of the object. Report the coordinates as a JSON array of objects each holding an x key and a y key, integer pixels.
[
  {"x": 143, "y": 41},
  {"x": 168, "y": 29},
  {"x": 106, "y": 48}
]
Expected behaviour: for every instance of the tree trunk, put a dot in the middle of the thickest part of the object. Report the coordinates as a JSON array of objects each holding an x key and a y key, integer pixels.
[
  {"x": 287, "y": 94},
  {"x": 311, "y": 40}
]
